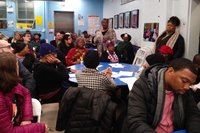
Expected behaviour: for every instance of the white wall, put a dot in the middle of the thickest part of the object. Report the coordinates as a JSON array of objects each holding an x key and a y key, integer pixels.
[
  {"x": 194, "y": 29},
  {"x": 160, "y": 11}
]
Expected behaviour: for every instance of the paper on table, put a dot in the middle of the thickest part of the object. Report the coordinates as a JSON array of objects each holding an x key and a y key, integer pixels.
[
  {"x": 115, "y": 75},
  {"x": 125, "y": 73},
  {"x": 130, "y": 81},
  {"x": 116, "y": 65}
]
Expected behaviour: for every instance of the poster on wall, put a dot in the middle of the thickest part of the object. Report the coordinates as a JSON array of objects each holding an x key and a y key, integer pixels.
[
  {"x": 121, "y": 20},
  {"x": 38, "y": 20},
  {"x": 127, "y": 19},
  {"x": 80, "y": 20},
  {"x": 93, "y": 24},
  {"x": 116, "y": 22},
  {"x": 110, "y": 23},
  {"x": 135, "y": 18},
  {"x": 150, "y": 32}
]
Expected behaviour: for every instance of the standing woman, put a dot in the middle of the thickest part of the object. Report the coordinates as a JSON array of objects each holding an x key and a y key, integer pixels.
[
  {"x": 15, "y": 100},
  {"x": 172, "y": 38}
]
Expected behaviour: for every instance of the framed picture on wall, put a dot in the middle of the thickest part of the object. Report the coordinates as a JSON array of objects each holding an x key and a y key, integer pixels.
[
  {"x": 135, "y": 18},
  {"x": 121, "y": 20},
  {"x": 127, "y": 19},
  {"x": 110, "y": 22},
  {"x": 116, "y": 22},
  {"x": 151, "y": 31}
]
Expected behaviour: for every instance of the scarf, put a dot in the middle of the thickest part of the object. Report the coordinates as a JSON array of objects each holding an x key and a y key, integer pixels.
[
  {"x": 172, "y": 40},
  {"x": 112, "y": 56}
]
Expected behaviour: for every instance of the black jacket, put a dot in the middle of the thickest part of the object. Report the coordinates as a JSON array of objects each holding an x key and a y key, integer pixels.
[
  {"x": 84, "y": 110},
  {"x": 142, "y": 105}
]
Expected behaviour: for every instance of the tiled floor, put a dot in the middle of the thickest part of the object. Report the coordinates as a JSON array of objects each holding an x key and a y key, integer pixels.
[{"x": 49, "y": 116}]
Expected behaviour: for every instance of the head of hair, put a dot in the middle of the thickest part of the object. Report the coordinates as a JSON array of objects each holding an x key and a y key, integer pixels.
[
  {"x": 8, "y": 72},
  {"x": 18, "y": 46},
  {"x": 175, "y": 21},
  {"x": 80, "y": 39},
  {"x": 67, "y": 37},
  {"x": 91, "y": 59},
  {"x": 62, "y": 32},
  {"x": 84, "y": 32},
  {"x": 104, "y": 19},
  {"x": 26, "y": 33},
  {"x": 196, "y": 59},
  {"x": 183, "y": 63},
  {"x": 156, "y": 58}
]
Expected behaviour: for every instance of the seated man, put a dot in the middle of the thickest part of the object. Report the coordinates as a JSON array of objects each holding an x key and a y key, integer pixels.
[
  {"x": 160, "y": 100},
  {"x": 91, "y": 78},
  {"x": 50, "y": 74}
]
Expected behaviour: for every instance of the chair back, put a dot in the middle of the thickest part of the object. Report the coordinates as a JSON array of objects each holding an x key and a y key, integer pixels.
[
  {"x": 37, "y": 108},
  {"x": 141, "y": 55}
]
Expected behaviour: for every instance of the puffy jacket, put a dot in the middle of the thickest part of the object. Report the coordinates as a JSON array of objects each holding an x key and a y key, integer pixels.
[
  {"x": 84, "y": 110},
  {"x": 25, "y": 106},
  {"x": 142, "y": 105}
]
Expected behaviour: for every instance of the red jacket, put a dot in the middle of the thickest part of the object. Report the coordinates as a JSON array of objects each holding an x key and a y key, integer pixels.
[
  {"x": 6, "y": 111},
  {"x": 75, "y": 55}
]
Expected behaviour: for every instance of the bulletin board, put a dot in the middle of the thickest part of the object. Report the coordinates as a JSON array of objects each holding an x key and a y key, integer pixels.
[{"x": 93, "y": 24}]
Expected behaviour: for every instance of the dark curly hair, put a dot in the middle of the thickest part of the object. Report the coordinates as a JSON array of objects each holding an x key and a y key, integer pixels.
[{"x": 175, "y": 21}]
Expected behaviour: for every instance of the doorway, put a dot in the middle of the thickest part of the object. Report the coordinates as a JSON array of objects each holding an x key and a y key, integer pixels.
[{"x": 64, "y": 21}]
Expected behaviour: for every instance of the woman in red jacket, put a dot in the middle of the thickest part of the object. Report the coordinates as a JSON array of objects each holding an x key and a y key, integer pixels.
[
  {"x": 15, "y": 100},
  {"x": 75, "y": 55}
]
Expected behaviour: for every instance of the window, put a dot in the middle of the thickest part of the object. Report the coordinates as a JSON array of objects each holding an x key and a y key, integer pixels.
[
  {"x": 25, "y": 14},
  {"x": 3, "y": 14}
]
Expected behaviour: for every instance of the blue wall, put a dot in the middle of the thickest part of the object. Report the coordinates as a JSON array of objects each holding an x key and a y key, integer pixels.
[{"x": 46, "y": 10}]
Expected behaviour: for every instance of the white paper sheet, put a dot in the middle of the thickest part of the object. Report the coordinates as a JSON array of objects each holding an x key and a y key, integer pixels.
[
  {"x": 125, "y": 73},
  {"x": 130, "y": 81},
  {"x": 117, "y": 65}
]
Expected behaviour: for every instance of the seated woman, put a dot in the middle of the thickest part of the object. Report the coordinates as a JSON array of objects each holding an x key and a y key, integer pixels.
[
  {"x": 124, "y": 49},
  {"x": 15, "y": 100},
  {"x": 109, "y": 55},
  {"x": 50, "y": 74},
  {"x": 75, "y": 55},
  {"x": 23, "y": 55}
]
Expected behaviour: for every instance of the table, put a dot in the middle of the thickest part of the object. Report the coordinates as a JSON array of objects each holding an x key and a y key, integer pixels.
[{"x": 123, "y": 73}]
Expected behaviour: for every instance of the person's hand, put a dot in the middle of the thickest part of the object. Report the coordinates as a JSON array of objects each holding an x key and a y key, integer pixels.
[
  {"x": 114, "y": 61},
  {"x": 25, "y": 123},
  {"x": 52, "y": 59},
  {"x": 46, "y": 128},
  {"x": 108, "y": 71},
  {"x": 73, "y": 70}
]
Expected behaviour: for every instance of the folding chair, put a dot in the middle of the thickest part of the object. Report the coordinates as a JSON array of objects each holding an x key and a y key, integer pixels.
[
  {"x": 141, "y": 55},
  {"x": 37, "y": 108}
]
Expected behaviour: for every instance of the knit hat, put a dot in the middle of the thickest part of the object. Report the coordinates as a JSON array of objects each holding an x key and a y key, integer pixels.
[
  {"x": 110, "y": 43},
  {"x": 18, "y": 46},
  {"x": 46, "y": 48},
  {"x": 42, "y": 41},
  {"x": 155, "y": 59},
  {"x": 166, "y": 50},
  {"x": 126, "y": 35}
]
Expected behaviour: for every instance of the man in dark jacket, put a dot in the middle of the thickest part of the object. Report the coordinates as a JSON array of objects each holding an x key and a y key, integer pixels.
[
  {"x": 84, "y": 110},
  {"x": 160, "y": 100}
]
